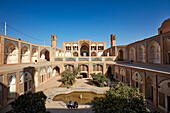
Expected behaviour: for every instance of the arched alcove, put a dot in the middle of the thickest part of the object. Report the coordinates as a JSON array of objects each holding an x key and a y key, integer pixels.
[{"x": 10, "y": 53}]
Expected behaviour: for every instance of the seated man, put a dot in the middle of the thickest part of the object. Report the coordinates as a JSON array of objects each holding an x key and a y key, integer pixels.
[
  {"x": 75, "y": 104},
  {"x": 70, "y": 105}
]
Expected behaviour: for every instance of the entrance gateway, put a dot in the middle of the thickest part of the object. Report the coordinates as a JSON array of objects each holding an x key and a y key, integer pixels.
[{"x": 84, "y": 75}]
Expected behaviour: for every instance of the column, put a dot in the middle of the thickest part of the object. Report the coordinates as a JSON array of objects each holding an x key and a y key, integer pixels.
[
  {"x": 144, "y": 90},
  {"x": 19, "y": 52},
  {"x": 155, "y": 94},
  {"x": 146, "y": 52},
  {"x": 30, "y": 53},
  {"x": 17, "y": 84},
  {"x": 162, "y": 50},
  {"x": 39, "y": 53}
]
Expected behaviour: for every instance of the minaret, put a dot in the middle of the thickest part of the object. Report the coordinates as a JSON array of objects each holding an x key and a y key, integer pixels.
[
  {"x": 113, "y": 40},
  {"x": 54, "y": 40}
]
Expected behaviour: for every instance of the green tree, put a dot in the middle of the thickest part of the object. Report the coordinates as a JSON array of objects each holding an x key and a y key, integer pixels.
[
  {"x": 99, "y": 79},
  {"x": 29, "y": 103},
  {"x": 68, "y": 77},
  {"x": 121, "y": 99},
  {"x": 76, "y": 70}
]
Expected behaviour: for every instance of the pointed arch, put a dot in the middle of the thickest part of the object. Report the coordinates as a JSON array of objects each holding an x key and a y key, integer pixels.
[
  {"x": 25, "y": 54},
  {"x": 132, "y": 55},
  {"x": 93, "y": 54},
  {"x": 49, "y": 71},
  {"x": 26, "y": 82},
  {"x": 10, "y": 53},
  {"x": 42, "y": 75},
  {"x": 149, "y": 88},
  {"x": 141, "y": 53},
  {"x": 154, "y": 52},
  {"x": 45, "y": 55},
  {"x": 56, "y": 71},
  {"x": 34, "y": 55},
  {"x": 167, "y": 51}
]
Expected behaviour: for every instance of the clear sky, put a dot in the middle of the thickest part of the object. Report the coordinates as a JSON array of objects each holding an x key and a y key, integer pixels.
[{"x": 72, "y": 20}]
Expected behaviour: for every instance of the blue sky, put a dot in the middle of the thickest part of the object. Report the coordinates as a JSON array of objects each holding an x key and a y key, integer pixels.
[{"x": 72, "y": 20}]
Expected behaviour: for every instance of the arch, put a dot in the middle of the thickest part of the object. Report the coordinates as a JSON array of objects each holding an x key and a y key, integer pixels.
[
  {"x": 84, "y": 67},
  {"x": 167, "y": 51},
  {"x": 98, "y": 68},
  {"x": 45, "y": 55},
  {"x": 56, "y": 71},
  {"x": 70, "y": 59},
  {"x": 83, "y": 59},
  {"x": 25, "y": 54},
  {"x": 34, "y": 56},
  {"x": 42, "y": 75},
  {"x": 132, "y": 54},
  {"x": 137, "y": 81},
  {"x": 96, "y": 59},
  {"x": 75, "y": 54},
  {"x": 141, "y": 53},
  {"x": 10, "y": 53},
  {"x": 108, "y": 59},
  {"x": 12, "y": 86},
  {"x": 84, "y": 51},
  {"x": 49, "y": 71},
  {"x": 165, "y": 85},
  {"x": 93, "y": 54},
  {"x": 120, "y": 55},
  {"x": 69, "y": 67},
  {"x": 122, "y": 74},
  {"x": 154, "y": 52},
  {"x": 26, "y": 82},
  {"x": 149, "y": 88}
]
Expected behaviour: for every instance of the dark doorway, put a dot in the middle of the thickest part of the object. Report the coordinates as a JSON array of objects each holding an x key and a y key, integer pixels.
[
  {"x": 47, "y": 56},
  {"x": 84, "y": 75},
  {"x": 25, "y": 86},
  {"x": 109, "y": 71},
  {"x": 169, "y": 57},
  {"x": 120, "y": 55},
  {"x": 168, "y": 98}
]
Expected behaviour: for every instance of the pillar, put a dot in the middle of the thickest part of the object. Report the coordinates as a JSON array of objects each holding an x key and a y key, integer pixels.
[
  {"x": 144, "y": 90},
  {"x": 155, "y": 90}
]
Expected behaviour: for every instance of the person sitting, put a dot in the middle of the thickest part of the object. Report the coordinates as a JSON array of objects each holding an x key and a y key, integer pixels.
[
  {"x": 75, "y": 104},
  {"x": 70, "y": 105}
]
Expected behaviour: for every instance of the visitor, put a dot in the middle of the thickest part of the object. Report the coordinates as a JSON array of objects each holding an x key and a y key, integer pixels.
[
  {"x": 70, "y": 105},
  {"x": 75, "y": 104}
]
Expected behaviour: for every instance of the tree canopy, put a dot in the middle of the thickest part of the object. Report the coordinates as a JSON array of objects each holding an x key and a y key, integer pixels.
[
  {"x": 29, "y": 103},
  {"x": 121, "y": 99},
  {"x": 68, "y": 77},
  {"x": 99, "y": 79}
]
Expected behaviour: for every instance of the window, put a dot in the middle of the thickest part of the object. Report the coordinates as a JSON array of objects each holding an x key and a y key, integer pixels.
[
  {"x": 100, "y": 47},
  {"x": 75, "y": 47},
  {"x": 68, "y": 47},
  {"x": 93, "y": 47}
]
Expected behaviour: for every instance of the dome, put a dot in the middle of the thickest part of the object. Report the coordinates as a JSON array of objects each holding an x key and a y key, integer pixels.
[{"x": 166, "y": 22}]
